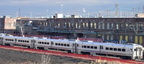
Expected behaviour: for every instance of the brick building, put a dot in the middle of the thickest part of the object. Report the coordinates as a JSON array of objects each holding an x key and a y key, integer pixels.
[
  {"x": 7, "y": 25},
  {"x": 111, "y": 29},
  {"x": 1, "y": 25}
]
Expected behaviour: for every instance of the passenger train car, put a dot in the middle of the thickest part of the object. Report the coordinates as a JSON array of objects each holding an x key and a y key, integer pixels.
[{"x": 133, "y": 51}]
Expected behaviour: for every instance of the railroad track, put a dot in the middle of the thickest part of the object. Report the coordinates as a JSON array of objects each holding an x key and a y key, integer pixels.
[{"x": 58, "y": 53}]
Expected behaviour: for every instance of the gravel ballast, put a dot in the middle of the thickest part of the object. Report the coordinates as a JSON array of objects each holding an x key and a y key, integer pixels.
[{"x": 18, "y": 57}]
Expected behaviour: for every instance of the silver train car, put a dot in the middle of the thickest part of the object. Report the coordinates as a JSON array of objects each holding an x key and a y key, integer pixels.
[{"x": 133, "y": 51}]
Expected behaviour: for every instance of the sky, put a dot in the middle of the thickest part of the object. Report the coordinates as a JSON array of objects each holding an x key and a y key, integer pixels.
[{"x": 34, "y": 8}]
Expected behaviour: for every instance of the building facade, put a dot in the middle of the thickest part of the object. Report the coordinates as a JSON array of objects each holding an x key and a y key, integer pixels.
[
  {"x": 7, "y": 25},
  {"x": 1, "y": 25},
  {"x": 109, "y": 29}
]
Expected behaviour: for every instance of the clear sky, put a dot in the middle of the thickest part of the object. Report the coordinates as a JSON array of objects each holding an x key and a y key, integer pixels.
[{"x": 50, "y": 7}]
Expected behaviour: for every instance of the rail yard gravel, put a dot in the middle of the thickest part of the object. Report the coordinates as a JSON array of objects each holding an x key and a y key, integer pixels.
[{"x": 18, "y": 57}]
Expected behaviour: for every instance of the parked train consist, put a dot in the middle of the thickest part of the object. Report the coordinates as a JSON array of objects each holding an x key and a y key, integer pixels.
[{"x": 133, "y": 51}]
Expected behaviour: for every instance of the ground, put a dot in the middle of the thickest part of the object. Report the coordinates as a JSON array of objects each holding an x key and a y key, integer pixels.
[{"x": 18, "y": 57}]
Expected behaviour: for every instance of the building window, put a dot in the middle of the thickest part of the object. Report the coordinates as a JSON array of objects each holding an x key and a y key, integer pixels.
[
  {"x": 112, "y": 25},
  {"x": 83, "y": 25},
  {"x": 103, "y": 25},
  {"x": 99, "y": 25},
  {"x": 91, "y": 25},
  {"x": 117, "y": 26},
  {"x": 69, "y": 25},
  {"x": 87, "y": 25},
  {"x": 95, "y": 25},
  {"x": 108, "y": 25},
  {"x": 76, "y": 25}
]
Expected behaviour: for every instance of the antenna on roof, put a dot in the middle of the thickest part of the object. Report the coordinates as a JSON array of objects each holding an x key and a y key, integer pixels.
[{"x": 116, "y": 13}]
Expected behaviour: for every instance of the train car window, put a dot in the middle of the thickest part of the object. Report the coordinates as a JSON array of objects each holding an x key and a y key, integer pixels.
[
  {"x": 84, "y": 46},
  {"x": 115, "y": 49},
  {"x": 95, "y": 47},
  {"x": 68, "y": 45},
  {"x": 135, "y": 49},
  {"x": 107, "y": 48},
  {"x": 91, "y": 47},
  {"x": 88, "y": 46},
  {"x": 56, "y": 44},
  {"x": 64, "y": 44},
  {"x": 123, "y": 50},
  {"x": 111, "y": 48},
  {"x": 119, "y": 49},
  {"x": 59, "y": 44}
]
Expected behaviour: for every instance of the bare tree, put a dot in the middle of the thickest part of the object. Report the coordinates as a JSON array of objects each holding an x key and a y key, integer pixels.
[{"x": 45, "y": 59}]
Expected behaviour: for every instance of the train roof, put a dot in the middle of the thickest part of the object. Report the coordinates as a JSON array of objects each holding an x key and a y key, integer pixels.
[
  {"x": 57, "y": 40},
  {"x": 109, "y": 44}
]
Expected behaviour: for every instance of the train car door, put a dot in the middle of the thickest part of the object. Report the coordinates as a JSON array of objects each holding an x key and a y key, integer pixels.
[
  {"x": 100, "y": 48},
  {"x": 32, "y": 44},
  {"x": 138, "y": 53},
  {"x": 52, "y": 43},
  {"x": 1, "y": 41},
  {"x": 74, "y": 47}
]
